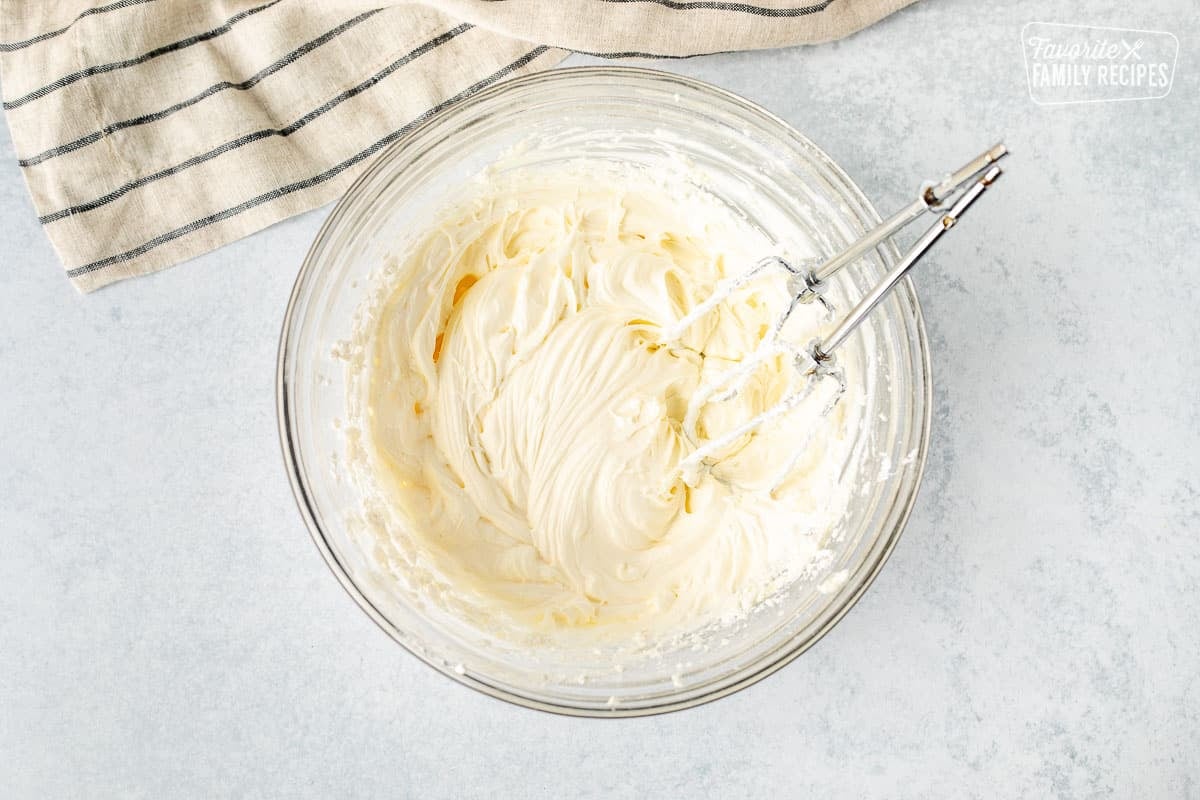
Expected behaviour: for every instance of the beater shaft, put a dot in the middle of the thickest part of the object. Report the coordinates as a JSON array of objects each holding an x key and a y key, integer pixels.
[
  {"x": 931, "y": 199},
  {"x": 822, "y": 351}
]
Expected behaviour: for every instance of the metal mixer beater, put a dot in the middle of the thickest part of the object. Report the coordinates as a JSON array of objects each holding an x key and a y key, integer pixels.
[{"x": 949, "y": 198}]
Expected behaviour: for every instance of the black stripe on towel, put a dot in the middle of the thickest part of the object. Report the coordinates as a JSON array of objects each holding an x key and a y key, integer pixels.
[
  {"x": 99, "y": 69},
  {"x": 640, "y": 54},
  {"x": 258, "y": 135},
  {"x": 8, "y": 47},
  {"x": 744, "y": 8},
  {"x": 241, "y": 86},
  {"x": 332, "y": 172}
]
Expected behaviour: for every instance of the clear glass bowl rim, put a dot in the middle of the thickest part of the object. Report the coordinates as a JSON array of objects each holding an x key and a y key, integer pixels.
[{"x": 286, "y": 417}]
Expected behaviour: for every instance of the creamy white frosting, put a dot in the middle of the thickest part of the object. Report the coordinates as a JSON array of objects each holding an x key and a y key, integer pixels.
[{"x": 522, "y": 418}]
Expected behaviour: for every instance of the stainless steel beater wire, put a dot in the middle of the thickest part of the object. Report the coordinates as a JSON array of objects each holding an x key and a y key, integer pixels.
[{"x": 822, "y": 351}]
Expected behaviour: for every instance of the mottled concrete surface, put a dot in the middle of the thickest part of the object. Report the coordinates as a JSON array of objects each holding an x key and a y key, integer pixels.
[{"x": 167, "y": 628}]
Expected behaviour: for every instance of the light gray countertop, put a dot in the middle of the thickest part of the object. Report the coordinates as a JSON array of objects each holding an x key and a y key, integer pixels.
[{"x": 167, "y": 628}]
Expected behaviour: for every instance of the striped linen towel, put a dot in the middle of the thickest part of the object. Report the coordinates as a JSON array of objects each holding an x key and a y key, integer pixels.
[{"x": 151, "y": 131}]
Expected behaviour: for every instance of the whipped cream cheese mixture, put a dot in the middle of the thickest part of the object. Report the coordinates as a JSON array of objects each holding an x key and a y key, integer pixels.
[{"x": 519, "y": 418}]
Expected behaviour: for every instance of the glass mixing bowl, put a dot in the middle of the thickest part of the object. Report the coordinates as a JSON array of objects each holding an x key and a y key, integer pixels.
[{"x": 783, "y": 184}]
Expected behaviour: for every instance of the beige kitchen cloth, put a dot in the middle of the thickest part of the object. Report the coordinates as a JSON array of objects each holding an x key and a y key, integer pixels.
[{"x": 151, "y": 131}]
